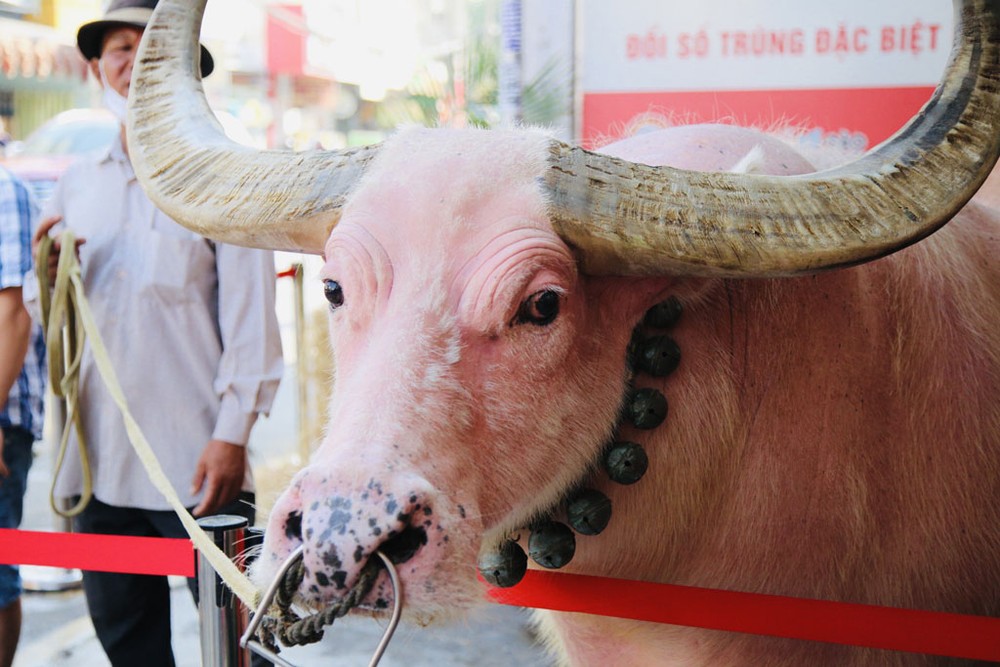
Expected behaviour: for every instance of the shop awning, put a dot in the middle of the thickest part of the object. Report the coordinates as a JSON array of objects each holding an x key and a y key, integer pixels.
[{"x": 32, "y": 51}]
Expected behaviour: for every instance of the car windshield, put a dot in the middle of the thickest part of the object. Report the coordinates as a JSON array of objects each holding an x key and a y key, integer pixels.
[{"x": 70, "y": 138}]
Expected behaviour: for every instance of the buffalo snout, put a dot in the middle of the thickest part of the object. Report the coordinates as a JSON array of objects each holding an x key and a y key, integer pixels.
[{"x": 342, "y": 526}]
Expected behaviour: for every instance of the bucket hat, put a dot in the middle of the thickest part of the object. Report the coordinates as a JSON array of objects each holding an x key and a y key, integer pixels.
[{"x": 125, "y": 12}]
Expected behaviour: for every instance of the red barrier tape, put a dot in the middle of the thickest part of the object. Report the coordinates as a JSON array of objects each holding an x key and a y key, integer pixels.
[
  {"x": 955, "y": 635},
  {"x": 99, "y": 553}
]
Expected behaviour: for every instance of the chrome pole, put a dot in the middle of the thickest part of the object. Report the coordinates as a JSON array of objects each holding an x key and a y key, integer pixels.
[{"x": 222, "y": 619}]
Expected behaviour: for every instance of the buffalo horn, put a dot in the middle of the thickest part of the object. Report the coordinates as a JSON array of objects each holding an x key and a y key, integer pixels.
[{"x": 631, "y": 219}]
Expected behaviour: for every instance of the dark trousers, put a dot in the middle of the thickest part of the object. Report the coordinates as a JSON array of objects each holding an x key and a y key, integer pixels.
[
  {"x": 17, "y": 457},
  {"x": 131, "y": 612}
]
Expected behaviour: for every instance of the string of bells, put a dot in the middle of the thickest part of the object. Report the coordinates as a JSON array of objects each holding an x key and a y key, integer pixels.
[{"x": 551, "y": 543}]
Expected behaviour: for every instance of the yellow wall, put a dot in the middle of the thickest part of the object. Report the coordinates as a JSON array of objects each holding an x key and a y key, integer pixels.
[
  {"x": 46, "y": 15},
  {"x": 67, "y": 15}
]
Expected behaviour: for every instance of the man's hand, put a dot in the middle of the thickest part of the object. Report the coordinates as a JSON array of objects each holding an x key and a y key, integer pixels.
[
  {"x": 43, "y": 231},
  {"x": 220, "y": 471},
  {"x": 4, "y": 471}
]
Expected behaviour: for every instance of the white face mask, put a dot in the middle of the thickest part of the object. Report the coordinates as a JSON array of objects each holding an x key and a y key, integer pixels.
[{"x": 115, "y": 103}]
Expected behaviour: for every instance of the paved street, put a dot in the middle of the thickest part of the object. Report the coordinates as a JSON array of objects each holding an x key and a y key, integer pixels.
[{"x": 57, "y": 631}]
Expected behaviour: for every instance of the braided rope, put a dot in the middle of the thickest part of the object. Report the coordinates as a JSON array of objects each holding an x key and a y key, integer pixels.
[{"x": 291, "y": 630}]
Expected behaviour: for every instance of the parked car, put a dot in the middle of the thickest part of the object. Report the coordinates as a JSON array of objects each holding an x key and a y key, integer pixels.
[{"x": 42, "y": 158}]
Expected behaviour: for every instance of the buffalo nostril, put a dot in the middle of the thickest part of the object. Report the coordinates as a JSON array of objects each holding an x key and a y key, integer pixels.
[
  {"x": 293, "y": 526},
  {"x": 404, "y": 545}
]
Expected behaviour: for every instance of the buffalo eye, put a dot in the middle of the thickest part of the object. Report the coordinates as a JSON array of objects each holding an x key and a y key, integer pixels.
[
  {"x": 540, "y": 308},
  {"x": 334, "y": 293}
]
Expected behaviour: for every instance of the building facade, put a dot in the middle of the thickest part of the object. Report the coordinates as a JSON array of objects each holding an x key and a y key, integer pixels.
[{"x": 41, "y": 72}]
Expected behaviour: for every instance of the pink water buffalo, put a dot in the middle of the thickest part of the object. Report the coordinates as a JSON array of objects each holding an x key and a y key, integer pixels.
[{"x": 719, "y": 373}]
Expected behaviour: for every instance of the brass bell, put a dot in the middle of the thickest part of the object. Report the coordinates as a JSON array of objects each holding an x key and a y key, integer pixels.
[
  {"x": 551, "y": 544},
  {"x": 664, "y": 315},
  {"x": 659, "y": 356},
  {"x": 625, "y": 462},
  {"x": 647, "y": 409},
  {"x": 504, "y": 567},
  {"x": 588, "y": 512}
]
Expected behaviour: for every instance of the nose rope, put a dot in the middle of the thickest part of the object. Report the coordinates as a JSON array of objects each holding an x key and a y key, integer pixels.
[{"x": 291, "y": 630}]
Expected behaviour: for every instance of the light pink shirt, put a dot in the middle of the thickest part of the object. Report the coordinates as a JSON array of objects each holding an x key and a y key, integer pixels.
[{"x": 189, "y": 324}]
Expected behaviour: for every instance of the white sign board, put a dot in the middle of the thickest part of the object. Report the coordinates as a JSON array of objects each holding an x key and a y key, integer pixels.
[{"x": 855, "y": 69}]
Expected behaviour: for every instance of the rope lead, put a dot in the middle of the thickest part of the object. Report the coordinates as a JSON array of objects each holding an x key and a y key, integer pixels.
[
  {"x": 64, "y": 338},
  {"x": 286, "y": 627}
]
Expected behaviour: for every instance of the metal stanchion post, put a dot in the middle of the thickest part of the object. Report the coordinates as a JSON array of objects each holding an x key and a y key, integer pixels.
[{"x": 222, "y": 618}]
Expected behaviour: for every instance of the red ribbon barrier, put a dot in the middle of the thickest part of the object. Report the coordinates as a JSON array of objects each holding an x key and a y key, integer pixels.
[
  {"x": 99, "y": 553},
  {"x": 955, "y": 635}
]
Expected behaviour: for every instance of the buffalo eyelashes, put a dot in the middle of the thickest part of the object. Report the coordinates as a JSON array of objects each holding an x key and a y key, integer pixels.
[
  {"x": 334, "y": 293},
  {"x": 540, "y": 308}
]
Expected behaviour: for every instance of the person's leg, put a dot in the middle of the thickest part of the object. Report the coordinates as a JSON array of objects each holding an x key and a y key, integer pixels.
[
  {"x": 130, "y": 612},
  {"x": 10, "y": 632},
  {"x": 17, "y": 457}
]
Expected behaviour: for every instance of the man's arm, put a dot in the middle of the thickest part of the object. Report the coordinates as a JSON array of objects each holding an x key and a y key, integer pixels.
[
  {"x": 16, "y": 218},
  {"x": 249, "y": 370},
  {"x": 15, "y": 331}
]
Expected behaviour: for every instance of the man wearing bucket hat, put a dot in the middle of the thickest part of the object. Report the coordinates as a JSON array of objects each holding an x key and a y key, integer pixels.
[
  {"x": 191, "y": 329},
  {"x": 134, "y": 13}
]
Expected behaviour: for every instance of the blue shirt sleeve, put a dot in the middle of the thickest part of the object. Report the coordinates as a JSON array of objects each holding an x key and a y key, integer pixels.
[{"x": 18, "y": 212}]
